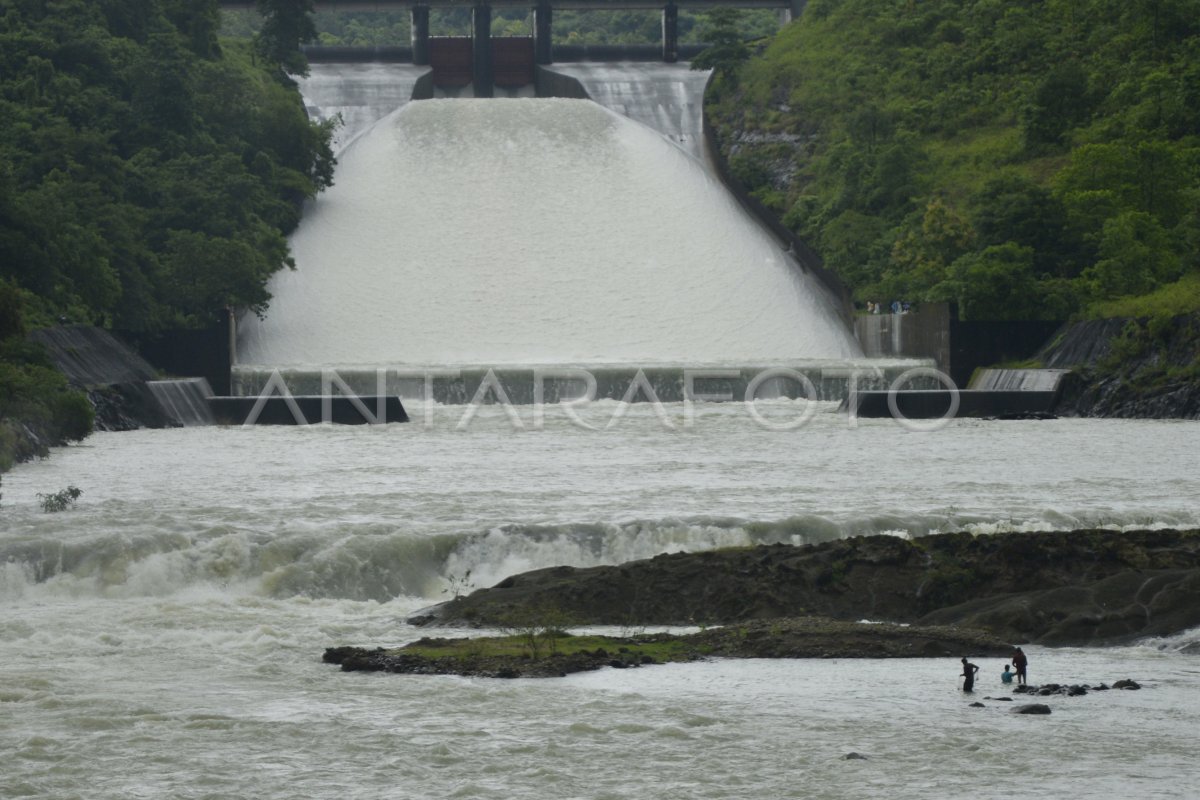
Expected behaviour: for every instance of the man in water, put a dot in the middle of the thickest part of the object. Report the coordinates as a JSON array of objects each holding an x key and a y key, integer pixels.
[
  {"x": 1021, "y": 663},
  {"x": 1006, "y": 676},
  {"x": 968, "y": 675}
]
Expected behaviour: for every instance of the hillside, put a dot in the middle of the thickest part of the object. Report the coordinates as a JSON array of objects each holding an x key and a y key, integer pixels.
[
  {"x": 1027, "y": 160},
  {"x": 148, "y": 176}
]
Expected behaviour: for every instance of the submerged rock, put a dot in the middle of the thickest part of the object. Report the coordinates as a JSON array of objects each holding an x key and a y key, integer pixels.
[
  {"x": 1032, "y": 708},
  {"x": 1126, "y": 684}
]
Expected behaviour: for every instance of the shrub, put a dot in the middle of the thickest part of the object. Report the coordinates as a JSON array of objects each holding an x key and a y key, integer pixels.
[{"x": 60, "y": 500}]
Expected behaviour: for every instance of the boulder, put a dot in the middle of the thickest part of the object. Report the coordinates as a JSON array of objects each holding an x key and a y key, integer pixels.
[{"x": 1033, "y": 708}]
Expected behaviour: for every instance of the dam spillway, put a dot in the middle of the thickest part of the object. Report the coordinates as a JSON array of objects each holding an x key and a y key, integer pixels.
[{"x": 532, "y": 232}]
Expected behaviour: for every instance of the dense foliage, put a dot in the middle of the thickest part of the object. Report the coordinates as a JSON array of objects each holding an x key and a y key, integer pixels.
[
  {"x": 1025, "y": 158},
  {"x": 392, "y": 27},
  {"x": 37, "y": 408},
  {"x": 148, "y": 176}
]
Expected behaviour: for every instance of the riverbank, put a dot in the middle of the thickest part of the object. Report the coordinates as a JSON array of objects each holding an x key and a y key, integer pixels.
[
  {"x": 1083, "y": 587},
  {"x": 1136, "y": 368},
  {"x": 541, "y": 653}
]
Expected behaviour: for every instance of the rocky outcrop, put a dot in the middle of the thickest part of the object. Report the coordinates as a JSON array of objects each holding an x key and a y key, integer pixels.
[
  {"x": 807, "y": 637},
  {"x": 1148, "y": 368},
  {"x": 1077, "y": 587}
]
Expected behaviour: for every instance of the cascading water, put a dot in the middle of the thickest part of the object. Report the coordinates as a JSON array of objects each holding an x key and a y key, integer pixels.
[
  {"x": 507, "y": 232},
  {"x": 358, "y": 94},
  {"x": 666, "y": 97}
]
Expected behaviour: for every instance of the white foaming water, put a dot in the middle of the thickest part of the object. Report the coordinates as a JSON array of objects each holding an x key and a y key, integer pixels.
[
  {"x": 666, "y": 97},
  {"x": 358, "y": 94},
  {"x": 530, "y": 231},
  {"x": 163, "y": 638}
]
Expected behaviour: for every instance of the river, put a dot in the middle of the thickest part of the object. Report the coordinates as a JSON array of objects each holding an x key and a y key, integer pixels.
[{"x": 163, "y": 637}]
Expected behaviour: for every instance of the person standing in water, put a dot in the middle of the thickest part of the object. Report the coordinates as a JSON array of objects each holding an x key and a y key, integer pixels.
[
  {"x": 1020, "y": 663},
  {"x": 968, "y": 675},
  {"x": 1006, "y": 676}
]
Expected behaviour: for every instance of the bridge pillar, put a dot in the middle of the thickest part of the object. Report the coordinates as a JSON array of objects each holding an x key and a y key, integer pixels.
[
  {"x": 542, "y": 41},
  {"x": 420, "y": 35},
  {"x": 794, "y": 10},
  {"x": 481, "y": 50},
  {"x": 670, "y": 33}
]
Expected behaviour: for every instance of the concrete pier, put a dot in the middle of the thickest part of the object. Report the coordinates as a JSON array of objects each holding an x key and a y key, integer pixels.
[
  {"x": 420, "y": 35},
  {"x": 670, "y": 33},
  {"x": 543, "y": 39},
  {"x": 481, "y": 51}
]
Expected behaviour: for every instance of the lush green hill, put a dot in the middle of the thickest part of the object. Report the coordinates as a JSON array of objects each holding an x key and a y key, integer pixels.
[
  {"x": 1027, "y": 159},
  {"x": 148, "y": 177}
]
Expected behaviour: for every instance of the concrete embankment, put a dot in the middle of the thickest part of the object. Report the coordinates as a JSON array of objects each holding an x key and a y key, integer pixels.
[{"x": 111, "y": 373}]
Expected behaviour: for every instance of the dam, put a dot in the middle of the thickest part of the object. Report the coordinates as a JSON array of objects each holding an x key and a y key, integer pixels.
[{"x": 548, "y": 232}]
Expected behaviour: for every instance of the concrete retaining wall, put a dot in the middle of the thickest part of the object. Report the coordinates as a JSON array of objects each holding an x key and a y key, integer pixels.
[{"x": 924, "y": 333}]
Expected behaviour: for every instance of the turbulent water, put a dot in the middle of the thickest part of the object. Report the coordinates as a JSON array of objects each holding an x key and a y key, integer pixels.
[
  {"x": 528, "y": 231},
  {"x": 358, "y": 95},
  {"x": 668, "y": 98},
  {"x": 163, "y": 638}
]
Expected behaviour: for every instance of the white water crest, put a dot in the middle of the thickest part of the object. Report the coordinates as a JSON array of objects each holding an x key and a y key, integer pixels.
[
  {"x": 531, "y": 231},
  {"x": 398, "y": 511}
]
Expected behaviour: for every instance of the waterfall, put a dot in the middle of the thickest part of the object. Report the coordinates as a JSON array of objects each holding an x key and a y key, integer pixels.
[
  {"x": 185, "y": 401},
  {"x": 534, "y": 231}
]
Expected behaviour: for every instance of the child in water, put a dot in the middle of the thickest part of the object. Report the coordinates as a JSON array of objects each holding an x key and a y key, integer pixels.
[{"x": 1007, "y": 675}]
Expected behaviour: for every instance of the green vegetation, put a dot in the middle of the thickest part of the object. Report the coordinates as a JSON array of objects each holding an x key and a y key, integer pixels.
[
  {"x": 1174, "y": 299},
  {"x": 37, "y": 408},
  {"x": 148, "y": 176},
  {"x": 657, "y": 647},
  {"x": 61, "y": 500},
  {"x": 1028, "y": 160},
  {"x": 1155, "y": 352},
  {"x": 383, "y": 28},
  {"x": 286, "y": 26},
  {"x": 727, "y": 51}
]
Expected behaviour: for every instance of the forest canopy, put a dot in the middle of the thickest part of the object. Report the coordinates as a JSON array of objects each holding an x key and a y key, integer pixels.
[
  {"x": 148, "y": 173},
  {"x": 390, "y": 27},
  {"x": 148, "y": 176},
  {"x": 1024, "y": 158}
]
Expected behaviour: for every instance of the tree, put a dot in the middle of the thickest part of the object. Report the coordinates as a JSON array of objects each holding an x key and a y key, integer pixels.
[
  {"x": 1060, "y": 102},
  {"x": 1136, "y": 255},
  {"x": 921, "y": 256},
  {"x": 287, "y": 24},
  {"x": 12, "y": 323},
  {"x": 1013, "y": 208},
  {"x": 995, "y": 283},
  {"x": 726, "y": 52}
]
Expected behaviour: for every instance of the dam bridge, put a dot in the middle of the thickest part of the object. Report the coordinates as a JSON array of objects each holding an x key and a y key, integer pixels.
[{"x": 486, "y": 62}]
